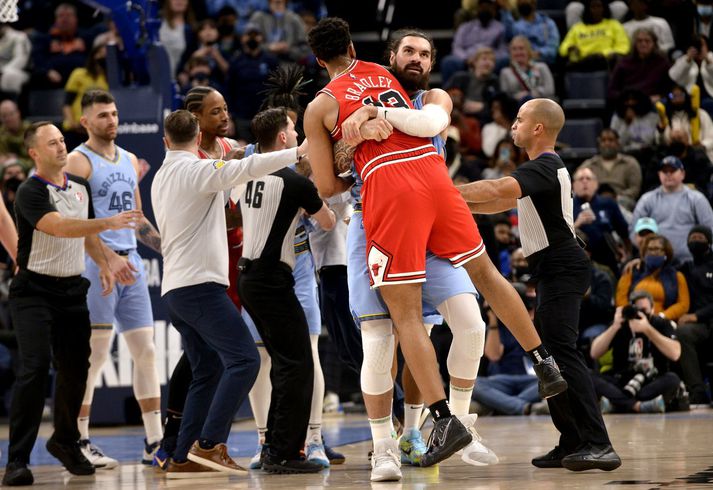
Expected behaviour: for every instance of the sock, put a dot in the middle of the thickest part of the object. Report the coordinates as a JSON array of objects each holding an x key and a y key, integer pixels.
[
  {"x": 206, "y": 444},
  {"x": 261, "y": 431},
  {"x": 412, "y": 415},
  {"x": 538, "y": 354},
  {"x": 459, "y": 400},
  {"x": 314, "y": 433},
  {"x": 152, "y": 426},
  {"x": 440, "y": 410},
  {"x": 381, "y": 428},
  {"x": 173, "y": 423},
  {"x": 83, "y": 426}
]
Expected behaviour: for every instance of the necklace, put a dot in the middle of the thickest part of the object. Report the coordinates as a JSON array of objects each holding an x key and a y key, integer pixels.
[{"x": 342, "y": 72}]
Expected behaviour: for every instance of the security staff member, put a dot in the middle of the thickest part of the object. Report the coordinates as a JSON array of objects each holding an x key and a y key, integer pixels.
[
  {"x": 48, "y": 301},
  {"x": 271, "y": 209},
  {"x": 542, "y": 191}
]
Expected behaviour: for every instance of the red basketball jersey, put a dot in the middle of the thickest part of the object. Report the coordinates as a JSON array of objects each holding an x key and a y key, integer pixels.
[{"x": 369, "y": 83}]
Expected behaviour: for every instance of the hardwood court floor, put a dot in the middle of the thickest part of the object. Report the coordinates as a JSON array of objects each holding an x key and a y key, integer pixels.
[{"x": 673, "y": 450}]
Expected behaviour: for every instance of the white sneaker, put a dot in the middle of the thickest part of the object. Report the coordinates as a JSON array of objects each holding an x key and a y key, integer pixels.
[
  {"x": 385, "y": 461},
  {"x": 475, "y": 453},
  {"x": 255, "y": 463},
  {"x": 96, "y": 456}
]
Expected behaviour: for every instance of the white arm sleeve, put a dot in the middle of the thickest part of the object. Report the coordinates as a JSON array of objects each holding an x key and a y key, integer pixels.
[{"x": 425, "y": 123}]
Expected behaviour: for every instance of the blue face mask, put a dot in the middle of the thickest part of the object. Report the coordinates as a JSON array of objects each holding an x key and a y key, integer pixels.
[
  {"x": 655, "y": 261},
  {"x": 705, "y": 10}
]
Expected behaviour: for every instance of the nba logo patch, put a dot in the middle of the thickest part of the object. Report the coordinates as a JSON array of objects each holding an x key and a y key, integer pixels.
[
  {"x": 79, "y": 196},
  {"x": 378, "y": 263},
  {"x": 218, "y": 164}
]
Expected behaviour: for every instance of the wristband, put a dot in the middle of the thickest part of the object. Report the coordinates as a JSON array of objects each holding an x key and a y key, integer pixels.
[{"x": 381, "y": 112}]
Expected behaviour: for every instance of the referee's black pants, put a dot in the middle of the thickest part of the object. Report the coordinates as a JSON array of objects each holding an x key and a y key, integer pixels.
[
  {"x": 564, "y": 277},
  {"x": 267, "y": 292},
  {"x": 51, "y": 322}
]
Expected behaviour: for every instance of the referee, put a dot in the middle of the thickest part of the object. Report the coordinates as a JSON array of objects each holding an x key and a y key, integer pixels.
[
  {"x": 542, "y": 191},
  {"x": 271, "y": 207},
  {"x": 48, "y": 301}
]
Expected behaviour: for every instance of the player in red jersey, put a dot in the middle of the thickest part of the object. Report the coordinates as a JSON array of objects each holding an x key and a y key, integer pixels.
[{"x": 410, "y": 205}]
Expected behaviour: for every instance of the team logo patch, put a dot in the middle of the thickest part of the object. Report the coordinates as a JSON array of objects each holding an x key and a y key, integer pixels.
[
  {"x": 217, "y": 164},
  {"x": 378, "y": 261},
  {"x": 79, "y": 196}
]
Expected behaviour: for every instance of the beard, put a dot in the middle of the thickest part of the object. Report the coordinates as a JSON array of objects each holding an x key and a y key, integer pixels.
[{"x": 411, "y": 81}]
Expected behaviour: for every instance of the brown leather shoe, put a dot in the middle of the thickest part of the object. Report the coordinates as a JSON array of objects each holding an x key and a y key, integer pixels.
[
  {"x": 216, "y": 458},
  {"x": 189, "y": 469}
]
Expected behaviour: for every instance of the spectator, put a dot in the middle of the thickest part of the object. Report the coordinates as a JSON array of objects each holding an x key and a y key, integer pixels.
[
  {"x": 467, "y": 127},
  {"x": 198, "y": 73},
  {"x": 55, "y": 55},
  {"x": 596, "y": 41},
  {"x": 226, "y": 20},
  {"x": 597, "y": 309},
  {"x": 695, "y": 329},
  {"x": 506, "y": 243},
  {"x": 176, "y": 32},
  {"x": 503, "y": 161},
  {"x": 635, "y": 121},
  {"x": 611, "y": 167},
  {"x": 645, "y": 69},
  {"x": 478, "y": 85},
  {"x": 643, "y": 346},
  {"x": 12, "y": 176},
  {"x": 244, "y": 10},
  {"x": 485, "y": 31},
  {"x": 675, "y": 207},
  {"x": 284, "y": 32},
  {"x": 656, "y": 25},
  {"x": 503, "y": 110},
  {"x": 599, "y": 220},
  {"x": 520, "y": 268},
  {"x": 606, "y": 190},
  {"x": 207, "y": 48},
  {"x": 246, "y": 77},
  {"x": 538, "y": 28},
  {"x": 525, "y": 78},
  {"x": 574, "y": 10},
  {"x": 510, "y": 387},
  {"x": 644, "y": 227},
  {"x": 680, "y": 112},
  {"x": 703, "y": 21},
  {"x": 656, "y": 275},
  {"x": 12, "y": 136},
  {"x": 696, "y": 68},
  {"x": 15, "y": 48}
]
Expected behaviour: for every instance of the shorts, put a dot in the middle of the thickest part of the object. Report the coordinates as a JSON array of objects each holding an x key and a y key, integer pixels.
[
  {"x": 411, "y": 207},
  {"x": 443, "y": 281},
  {"x": 127, "y": 307},
  {"x": 306, "y": 291}
]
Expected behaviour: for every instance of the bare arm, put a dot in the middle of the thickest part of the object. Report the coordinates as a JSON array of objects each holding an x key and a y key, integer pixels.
[
  {"x": 146, "y": 232},
  {"x": 492, "y": 207},
  {"x": 494, "y": 348},
  {"x": 491, "y": 190},
  {"x": 8, "y": 232},
  {"x": 93, "y": 246},
  {"x": 78, "y": 164},
  {"x": 600, "y": 345},
  {"x": 56, "y": 225},
  {"x": 669, "y": 347},
  {"x": 325, "y": 218}
]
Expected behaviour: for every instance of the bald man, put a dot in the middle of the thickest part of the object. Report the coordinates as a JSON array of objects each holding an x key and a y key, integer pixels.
[{"x": 542, "y": 191}]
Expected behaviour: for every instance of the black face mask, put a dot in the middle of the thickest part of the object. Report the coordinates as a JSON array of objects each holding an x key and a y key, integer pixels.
[
  {"x": 225, "y": 30},
  {"x": 699, "y": 249},
  {"x": 518, "y": 272},
  {"x": 677, "y": 148},
  {"x": 252, "y": 44},
  {"x": 525, "y": 9},
  {"x": 485, "y": 17}
]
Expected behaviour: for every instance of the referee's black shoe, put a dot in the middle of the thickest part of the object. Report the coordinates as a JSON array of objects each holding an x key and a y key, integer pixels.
[
  {"x": 70, "y": 455},
  {"x": 273, "y": 463},
  {"x": 592, "y": 457},
  {"x": 448, "y": 436},
  {"x": 17, "y": 474},
  {"x": 551, "y": 382},
  {"x": 553, "y": 459}
]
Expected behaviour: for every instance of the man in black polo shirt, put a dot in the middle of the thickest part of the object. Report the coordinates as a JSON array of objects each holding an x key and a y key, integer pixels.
[
  {"x": 542, "y": 191},
  {"x": 271, "y": 208},
  {"x": 48, "y": 301}
]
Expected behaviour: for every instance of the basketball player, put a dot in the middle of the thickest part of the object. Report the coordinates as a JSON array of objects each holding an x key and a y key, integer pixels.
[
  {"x": 404, "y": 175},
  {"x": 113, "y": 175}
]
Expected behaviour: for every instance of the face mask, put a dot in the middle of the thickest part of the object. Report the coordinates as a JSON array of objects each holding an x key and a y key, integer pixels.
[
  {"x": 252, "y": 44},
  {"x": 278, "y": 15},
  {"x": 699, "y": 249},
  {"x": 225, "y": 30},
  {"x": 608, "y": 153},
  {"x": 520, "y": 271},
  {"x": 655, "y": 261},
  {"x": 525, "y": 9},
  {"x": 705, "y": 10},
  {"x": 485, "y": 17}
]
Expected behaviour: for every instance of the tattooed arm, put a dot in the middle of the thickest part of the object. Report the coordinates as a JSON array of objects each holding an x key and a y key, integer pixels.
[
  {"x": 145, "y": 232},
  {"x": 343, "y": 156}
]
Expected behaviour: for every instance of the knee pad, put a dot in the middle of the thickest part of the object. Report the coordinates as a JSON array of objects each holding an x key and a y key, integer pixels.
[
  {"x": 462, "y": 314},
  {"x": 143, "y": 353},
  {"x": 378, "y": 344},
  {"x": 100, "y": 343}
]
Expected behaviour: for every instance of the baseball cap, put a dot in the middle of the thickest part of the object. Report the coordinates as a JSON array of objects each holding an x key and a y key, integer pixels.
[
  {"x": 644, "y": 224},
  {"x": 671, "y": 161},
  {"x": 252, "y": 27}
]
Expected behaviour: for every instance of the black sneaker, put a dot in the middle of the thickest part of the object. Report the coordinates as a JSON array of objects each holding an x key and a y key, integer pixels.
[
  {"x": 17, "y": 474},
  {"x": 70, "y": 455},
  {"x": 592, "y": 457},
  {"x": 448, "y": 436},
  {"x": 553, "y": 459},
  {"x": 551, "y": 382},
  {"x": 333, "y": 456},
  {"x": 272, "y": 463}
]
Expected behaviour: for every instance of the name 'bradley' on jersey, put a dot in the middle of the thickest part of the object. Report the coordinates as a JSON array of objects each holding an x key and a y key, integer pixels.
[
  {"x": 367, "y": 82},
  {"x": 116, "y": 177}
]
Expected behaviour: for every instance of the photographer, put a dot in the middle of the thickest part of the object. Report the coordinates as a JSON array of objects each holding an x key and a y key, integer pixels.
[{"x": 642, "y": 346}]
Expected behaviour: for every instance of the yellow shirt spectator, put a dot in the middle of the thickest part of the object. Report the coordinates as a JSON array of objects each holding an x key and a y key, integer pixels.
[
  {"x": 92, "y": 76},
  {"x": 604, "y": 38}
]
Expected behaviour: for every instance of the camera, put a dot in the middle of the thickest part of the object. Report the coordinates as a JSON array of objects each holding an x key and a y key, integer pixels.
[
  {"x": 645, "y": 372},
  {"x": 631, "y": 312}
]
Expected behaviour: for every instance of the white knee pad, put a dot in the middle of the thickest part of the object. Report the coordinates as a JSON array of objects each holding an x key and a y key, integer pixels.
[
  {"x": 143, "y": 353},
  {"x": 377, "y": 338},
  {"x": 462, "y": 314},
  {"x": 100, "y": 343}
]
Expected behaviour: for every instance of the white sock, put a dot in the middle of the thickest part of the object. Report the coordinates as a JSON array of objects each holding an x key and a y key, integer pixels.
[
  {"x": 459, "y": 400},
  {"x": 412, "y": 415},
  {"x": 314, "y": 433},
  {"x": 261, "y": 431},
  {"x": 262, "y": 390},
  {"x": 83, "y": 425},
  {"x": 381, "y": 428},
  {"x": 153, "y": 426}
]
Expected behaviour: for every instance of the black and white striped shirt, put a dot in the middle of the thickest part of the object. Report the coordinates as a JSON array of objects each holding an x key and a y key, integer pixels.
[
  {"x": 546, "y": 207},
  {"x": 47, "y": 254},
  {"x": 270, "y": 207}
]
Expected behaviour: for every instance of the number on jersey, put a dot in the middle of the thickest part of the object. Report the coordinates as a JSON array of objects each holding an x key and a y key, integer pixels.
[
  {"x": 253, "y": 197},
  {"x": 123, "y": 203},
  {"x": 388, "y": 98}
]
